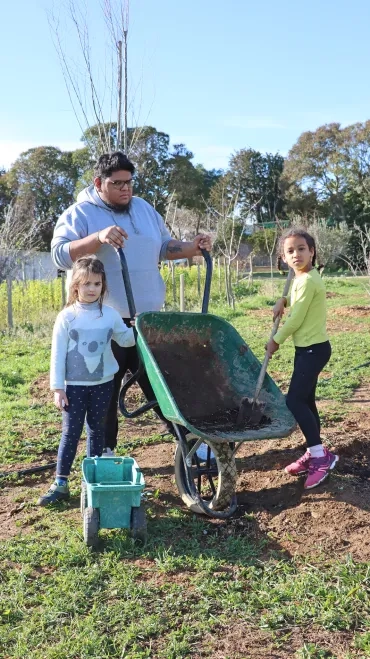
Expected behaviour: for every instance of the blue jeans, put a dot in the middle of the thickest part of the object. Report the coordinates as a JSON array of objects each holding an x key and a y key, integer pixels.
[
  {"x": 90, "y": 402},
  {"x": 300, "y": 400}
]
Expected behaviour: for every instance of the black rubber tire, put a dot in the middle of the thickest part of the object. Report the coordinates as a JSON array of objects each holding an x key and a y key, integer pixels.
[
  {"x": 91, "y": 527},
  {"x": 83, "y": 498},
  {"x": 139, "y": 525},
  {"x": 225, "y": 472}
]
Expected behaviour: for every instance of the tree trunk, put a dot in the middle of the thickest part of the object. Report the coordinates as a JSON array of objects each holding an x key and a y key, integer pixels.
[
  {"x": 119, "y": 110},
  {"x": 230, "y": 286},
  {"x": 125, "y": 145}
]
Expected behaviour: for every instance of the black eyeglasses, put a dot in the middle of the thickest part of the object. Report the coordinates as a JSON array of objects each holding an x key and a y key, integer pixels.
[{"x": 121, "y": 185}]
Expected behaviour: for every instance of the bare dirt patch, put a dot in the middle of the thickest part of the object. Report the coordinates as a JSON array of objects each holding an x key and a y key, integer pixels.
[
  {"x": 334, "y": 518},
  {"x": 354, "y": 310},
  {"x": 40, "y": 389},
  {"x": 240, "y": 640}
]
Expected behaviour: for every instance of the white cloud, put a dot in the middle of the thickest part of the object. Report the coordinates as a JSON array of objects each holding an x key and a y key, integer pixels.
[
  {"x": 10, "y": 150},
  {"x": 251, "y": 122}
]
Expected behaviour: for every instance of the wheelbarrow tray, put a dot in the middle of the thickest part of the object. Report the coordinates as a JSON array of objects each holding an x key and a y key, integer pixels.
[
  {"x": 113, "y": 485},
  {"x": 197, "y": 365}
]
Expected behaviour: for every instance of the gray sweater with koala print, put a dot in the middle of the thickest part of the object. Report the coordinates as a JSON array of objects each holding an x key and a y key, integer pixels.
[{"x": 81, "y": 350}]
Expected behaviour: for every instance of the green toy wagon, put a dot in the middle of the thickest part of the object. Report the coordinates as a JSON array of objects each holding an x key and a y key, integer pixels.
[
  {"x": 111, "y": 497},
  {"x": 200, "y": 369}
]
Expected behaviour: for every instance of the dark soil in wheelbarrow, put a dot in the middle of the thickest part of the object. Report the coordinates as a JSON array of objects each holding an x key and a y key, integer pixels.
[
  {"x": 226, "y": 420},
  {"x": 200, "y": 385}
]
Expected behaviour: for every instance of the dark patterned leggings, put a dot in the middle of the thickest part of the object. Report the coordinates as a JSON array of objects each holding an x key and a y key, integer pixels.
[
  {"x": 300, "y": 400},
  {"x": 90, "y": 402}
]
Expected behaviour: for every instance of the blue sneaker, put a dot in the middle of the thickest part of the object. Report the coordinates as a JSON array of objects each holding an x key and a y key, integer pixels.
[{"x": 55, "y": 493}]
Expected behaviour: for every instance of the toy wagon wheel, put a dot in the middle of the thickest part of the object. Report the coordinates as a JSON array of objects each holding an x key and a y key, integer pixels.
[
  {"x": 214, "y": 480},
  {"x": 91, "y": 527},
  {"x": 83, "y": 498},
  {"x": 138, "y": 524}
]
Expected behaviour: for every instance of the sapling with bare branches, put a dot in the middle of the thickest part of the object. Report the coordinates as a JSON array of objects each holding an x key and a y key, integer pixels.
[
  {"x": 97, "y": 92},
  {"x": 224, "y": 209},
  {"x": 20, "y": 234},
  {"x": 361, "y": 267}
]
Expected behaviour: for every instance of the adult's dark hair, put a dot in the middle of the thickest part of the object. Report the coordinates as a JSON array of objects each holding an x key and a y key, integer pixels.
[
  {"x": 109, "y": 163},
  {"x": 291, "y": 233}
]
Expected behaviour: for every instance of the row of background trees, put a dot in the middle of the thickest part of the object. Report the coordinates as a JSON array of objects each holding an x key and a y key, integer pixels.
[{"x": 325, "y": 175}]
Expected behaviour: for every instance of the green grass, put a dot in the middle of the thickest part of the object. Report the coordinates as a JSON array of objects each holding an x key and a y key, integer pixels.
[
  {"x": 28, "y": 427},
  {"x": 172, "y": 598},
  {"x": 60, "y": 600}
]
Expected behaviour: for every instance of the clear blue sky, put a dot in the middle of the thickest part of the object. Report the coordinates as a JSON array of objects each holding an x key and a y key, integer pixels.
[{"x": 218, "y": 75}]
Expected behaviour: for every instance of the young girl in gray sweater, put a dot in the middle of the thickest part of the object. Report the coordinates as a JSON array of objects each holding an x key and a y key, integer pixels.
[{"x": 83, "y": 366}]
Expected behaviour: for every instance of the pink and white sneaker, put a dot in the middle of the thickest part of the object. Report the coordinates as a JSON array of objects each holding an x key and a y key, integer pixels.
[
  {"x": 300, "y": 466},
  {"x": 319, "y": 469}
]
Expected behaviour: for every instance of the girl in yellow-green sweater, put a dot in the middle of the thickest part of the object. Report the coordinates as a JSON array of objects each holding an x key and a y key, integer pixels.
[{"x": 306, "y": 324}]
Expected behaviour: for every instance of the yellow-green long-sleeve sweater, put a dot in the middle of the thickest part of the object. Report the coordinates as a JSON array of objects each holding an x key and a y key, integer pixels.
[{"x": 306, "y": 322}]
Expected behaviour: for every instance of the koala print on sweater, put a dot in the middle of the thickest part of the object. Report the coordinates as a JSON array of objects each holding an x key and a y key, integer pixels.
[{"x": 85, "y": 362}]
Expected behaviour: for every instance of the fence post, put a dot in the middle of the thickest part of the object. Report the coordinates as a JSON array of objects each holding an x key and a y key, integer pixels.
[
  {"x": 198, "y": 268},
  {"x": 10, "y": 304},
  {"x": 226, "y": 282},
  {"x": 173, "y": 281},
  {"x": 182, "y": 292},
  {"x": 63, "y": 279}
]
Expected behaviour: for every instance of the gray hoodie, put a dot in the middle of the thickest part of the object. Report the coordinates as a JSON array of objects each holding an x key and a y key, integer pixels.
[{"x": 147, "y": 244}]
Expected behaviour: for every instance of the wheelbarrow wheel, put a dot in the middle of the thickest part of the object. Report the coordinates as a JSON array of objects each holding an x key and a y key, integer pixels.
[
  {"x": 138, "y": 524},
  {"x": 83, "y": 498},
  {"x": 215, "y": 483},
  {"x": 91, "y": 527}
]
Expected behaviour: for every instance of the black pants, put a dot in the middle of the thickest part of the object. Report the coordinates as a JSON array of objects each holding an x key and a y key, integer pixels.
[
  {"x": 83, "y": 401},
  {"x": 300, "y": 400},
  {"x": 128, "y": 360}
]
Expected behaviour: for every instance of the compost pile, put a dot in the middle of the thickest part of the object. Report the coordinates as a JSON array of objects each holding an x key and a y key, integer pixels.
[{"x": 199, "y": 383}]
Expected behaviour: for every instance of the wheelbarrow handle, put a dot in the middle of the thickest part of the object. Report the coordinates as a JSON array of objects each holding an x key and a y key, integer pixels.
[
  {"x": 127, "y": 283},
  {"x": 121, "y": 399},
  {"x": 207, "y": 286},
  {"x": 275, "y": 326},
  {"x": 135, "y": 376}
]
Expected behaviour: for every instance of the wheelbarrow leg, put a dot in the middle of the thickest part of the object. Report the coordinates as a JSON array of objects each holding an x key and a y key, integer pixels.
[{"x": 222, "y": 503}]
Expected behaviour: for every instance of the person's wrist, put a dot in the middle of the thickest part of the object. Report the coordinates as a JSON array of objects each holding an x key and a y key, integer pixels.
[{"x": 98, "y": 237}]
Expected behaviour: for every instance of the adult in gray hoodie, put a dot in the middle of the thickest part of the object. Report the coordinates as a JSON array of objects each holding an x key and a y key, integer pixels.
[{"x": 107, "y": 216}]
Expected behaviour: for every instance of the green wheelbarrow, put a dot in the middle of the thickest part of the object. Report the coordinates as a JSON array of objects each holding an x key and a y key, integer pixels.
[
  {"x": 111, "y": 498},
  {"x": 200, "y": 370}
]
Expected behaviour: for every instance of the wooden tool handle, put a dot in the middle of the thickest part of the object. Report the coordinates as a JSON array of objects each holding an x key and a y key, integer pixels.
[{"x": 265, "y": 362}]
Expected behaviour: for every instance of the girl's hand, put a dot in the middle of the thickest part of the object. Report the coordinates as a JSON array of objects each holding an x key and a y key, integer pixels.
[
  {"x": 132, "y": 322},
  {"x": 279, "y": 308},
  {"x": 271, "y": 347},
  {"x": 60, "y": 399}
]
